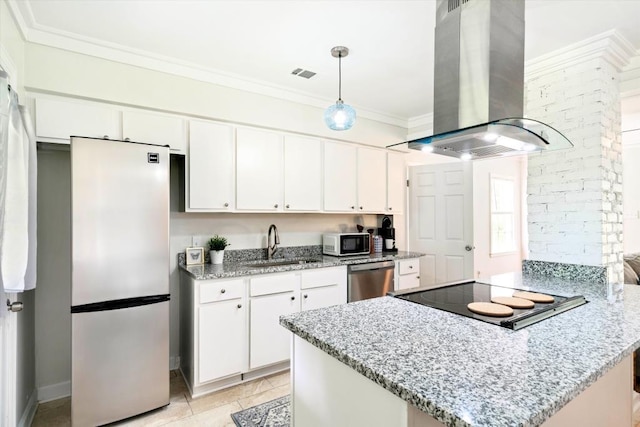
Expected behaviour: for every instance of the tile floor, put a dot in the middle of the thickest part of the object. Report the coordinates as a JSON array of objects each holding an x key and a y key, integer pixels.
[{"x": 213, "y": 410}]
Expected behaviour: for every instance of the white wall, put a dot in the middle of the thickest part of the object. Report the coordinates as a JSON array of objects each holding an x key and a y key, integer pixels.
[
  {"x": 72, "y": 74},
  {"x": 486, "y": 264},
  {"x": 575, "y": 196},
  {"x": 631, "y": 191},
  {"x": 53, "y": 293}
]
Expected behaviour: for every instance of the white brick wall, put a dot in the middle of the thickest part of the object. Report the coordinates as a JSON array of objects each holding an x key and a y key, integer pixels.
[{"x": 575, "y": 196}]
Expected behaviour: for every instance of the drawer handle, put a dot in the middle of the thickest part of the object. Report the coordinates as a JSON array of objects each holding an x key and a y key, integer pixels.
[
  {"x": 226, "y": 205},
  {"x": 293, "y": 298},
  {"x": 306, "y": 296},
  {"x": 222, "y": 291},
  {"x": 239, "y": 305}
]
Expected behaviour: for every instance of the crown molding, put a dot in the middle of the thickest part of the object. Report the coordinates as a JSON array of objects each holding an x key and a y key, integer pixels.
[
  {"x": 610, "y": 45},
  {"x": 40, "y": 34},
  {"x": 422, "y": 120}
]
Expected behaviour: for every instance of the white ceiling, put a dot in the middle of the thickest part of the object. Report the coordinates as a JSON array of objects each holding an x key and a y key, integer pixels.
[{"x": 389, "y": 70}]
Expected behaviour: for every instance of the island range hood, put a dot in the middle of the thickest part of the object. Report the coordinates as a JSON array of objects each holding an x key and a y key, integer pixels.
[{"x": 479, "y": 84}]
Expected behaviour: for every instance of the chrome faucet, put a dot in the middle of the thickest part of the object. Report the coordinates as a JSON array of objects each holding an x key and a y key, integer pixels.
[{"x": 271, "y": 250}]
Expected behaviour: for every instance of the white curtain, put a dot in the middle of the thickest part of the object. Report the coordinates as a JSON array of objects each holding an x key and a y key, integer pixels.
[{"x": 18, "y": 176}]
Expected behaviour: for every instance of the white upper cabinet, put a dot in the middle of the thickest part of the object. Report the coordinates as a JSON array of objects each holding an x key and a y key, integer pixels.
[
  {"x": 302, "y": 174},
  {"x": 396, "y": 182},
  {"x": 340, "y": 162},
  {"x": 372, "y": 180},
  {"x": 259, "y": 170},
  {"x": 211, "y": 171},
  {"x": 59, "y": 120},
  {"x": 155, "y": 128}
]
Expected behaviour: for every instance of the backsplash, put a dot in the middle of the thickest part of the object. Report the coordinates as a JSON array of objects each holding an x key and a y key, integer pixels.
[
  {"x": 243, "y": 255},
  {"x": 583, "y": 273}
]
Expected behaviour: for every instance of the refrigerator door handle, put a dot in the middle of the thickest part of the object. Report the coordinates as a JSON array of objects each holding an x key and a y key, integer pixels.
[{"x": 119, "y": 304}]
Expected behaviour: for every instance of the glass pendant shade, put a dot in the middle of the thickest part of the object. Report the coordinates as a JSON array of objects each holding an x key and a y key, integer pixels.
[{"x": 340, "y": 116}]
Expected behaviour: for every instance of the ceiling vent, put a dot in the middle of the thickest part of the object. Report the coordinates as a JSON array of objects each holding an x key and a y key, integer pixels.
[{"x": 303, "y": 73}]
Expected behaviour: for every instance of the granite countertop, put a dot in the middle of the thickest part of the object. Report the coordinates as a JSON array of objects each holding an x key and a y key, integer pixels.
[
  {"x": 239, "y": 269},
  {"x": 465, "y": 372}
]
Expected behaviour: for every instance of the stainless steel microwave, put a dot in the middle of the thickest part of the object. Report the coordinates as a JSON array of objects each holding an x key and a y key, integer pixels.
[{"x": 343, "y": 244}]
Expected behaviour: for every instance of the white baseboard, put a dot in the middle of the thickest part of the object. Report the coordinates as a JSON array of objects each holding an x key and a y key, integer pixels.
[
  {"x": 54, "y": 391},
  {"x": 174, "y": 362},
  {"x": 29, "y": 412}
]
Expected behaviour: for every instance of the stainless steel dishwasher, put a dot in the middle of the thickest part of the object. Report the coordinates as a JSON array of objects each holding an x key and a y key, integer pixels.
[{"x": 369, "y": 280}]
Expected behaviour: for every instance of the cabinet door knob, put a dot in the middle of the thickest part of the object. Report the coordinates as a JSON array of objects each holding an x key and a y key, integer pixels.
[
  {"x": 287, "y": 206},
  {"x": 275, "y": 206},
  {"x": 417, "y": 277},
  {"x": 105, "y": 137},
  {"x": 127, "y": 139},
  {"x": 306, "y": 296},
  {"x": 353, "y": 207},
  {"x": 390, "y": 208},
  {"x": 226, "y": 205},
  {"x": 239, "y": 305},
  {"x": 222, "y": 291},
  {"x": 360, "y": 207},
  {"x": 292, "y": 298},
  {"x": 411, "y": 266}
]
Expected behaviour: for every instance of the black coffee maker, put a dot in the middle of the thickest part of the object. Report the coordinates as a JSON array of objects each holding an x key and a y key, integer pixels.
[{"x": 388, "y": 234}]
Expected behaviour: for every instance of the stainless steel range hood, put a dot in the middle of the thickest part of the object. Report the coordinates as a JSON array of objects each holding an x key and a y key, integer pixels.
[{"x": 479, "y": 84}]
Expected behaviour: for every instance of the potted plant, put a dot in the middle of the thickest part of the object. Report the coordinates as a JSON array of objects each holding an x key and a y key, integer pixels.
[{"x": 216, "y": 249}]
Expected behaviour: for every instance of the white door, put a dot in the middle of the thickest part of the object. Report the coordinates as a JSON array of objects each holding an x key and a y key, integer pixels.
[
  {"x": 211, "y": 166},
  {"x": 325, "y": 296},
  {"x": 340, "y": 162},
  {"x": 222, "y": 339},
  {"x": 372, "y": 180},
  {"x": 259, "y": 170},
  {"x": 302, "y": 174},
  {"x": 270, "y": 343},
  {"x": 441, "y": 221},
  {"x": 8, "y": 367}
]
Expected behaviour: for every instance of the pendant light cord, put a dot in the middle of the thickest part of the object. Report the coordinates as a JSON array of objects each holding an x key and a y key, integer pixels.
[{"x": 340, "y": 76}]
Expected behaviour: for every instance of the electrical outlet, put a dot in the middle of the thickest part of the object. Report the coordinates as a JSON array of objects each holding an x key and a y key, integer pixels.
[{"x": 197, "y": 241}]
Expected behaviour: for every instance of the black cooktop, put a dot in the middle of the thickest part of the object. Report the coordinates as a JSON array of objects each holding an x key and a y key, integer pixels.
[{"x": 455, "y": 297}]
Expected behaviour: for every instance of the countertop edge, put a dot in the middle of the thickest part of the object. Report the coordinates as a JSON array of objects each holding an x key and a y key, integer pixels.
[{"x": 234, "y": 270}]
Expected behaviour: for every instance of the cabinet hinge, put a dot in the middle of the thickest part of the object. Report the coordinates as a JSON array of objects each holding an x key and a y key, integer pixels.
[{"x": 407, "y": 183}]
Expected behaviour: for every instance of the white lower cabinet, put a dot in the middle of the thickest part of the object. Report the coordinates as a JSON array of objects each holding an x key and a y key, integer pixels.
[
  {"x": 230, "y": 328},
  {"x": 269, "y": 342},
  {"x": 321, "y": 297},
  {"x": 407, "y": 274},
  {"x": 222, "y": 338}
]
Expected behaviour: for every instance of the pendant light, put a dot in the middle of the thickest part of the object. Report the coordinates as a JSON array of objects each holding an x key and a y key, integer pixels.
[{"x": 340, "y": 116}]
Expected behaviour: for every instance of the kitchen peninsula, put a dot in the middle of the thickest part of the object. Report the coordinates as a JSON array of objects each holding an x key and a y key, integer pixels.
[{"x": 387, "y": 361}]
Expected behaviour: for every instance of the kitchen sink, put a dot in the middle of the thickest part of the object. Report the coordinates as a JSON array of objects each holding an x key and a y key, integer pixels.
[{"x": 281, "y": 262}]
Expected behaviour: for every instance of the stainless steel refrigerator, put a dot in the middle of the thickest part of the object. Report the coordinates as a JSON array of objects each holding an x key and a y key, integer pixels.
[{"x": 119, "y": 279}]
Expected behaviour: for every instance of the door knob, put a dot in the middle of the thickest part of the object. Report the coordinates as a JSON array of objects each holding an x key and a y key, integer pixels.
[
  {"x": 468, "y": 248},
  {"x": 14, "y": 307}
]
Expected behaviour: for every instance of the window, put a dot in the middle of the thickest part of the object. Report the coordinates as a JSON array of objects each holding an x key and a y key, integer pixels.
[{"x": 502, "y": 215}]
